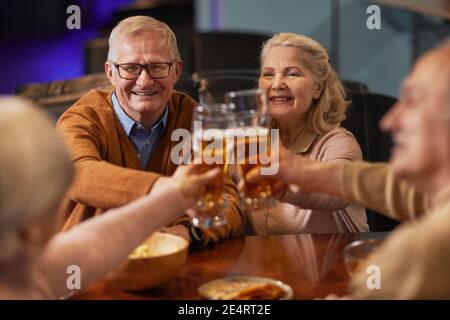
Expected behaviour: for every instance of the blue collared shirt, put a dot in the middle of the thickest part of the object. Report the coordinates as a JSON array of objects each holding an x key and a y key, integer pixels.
[{"x": 143, "y": 141}]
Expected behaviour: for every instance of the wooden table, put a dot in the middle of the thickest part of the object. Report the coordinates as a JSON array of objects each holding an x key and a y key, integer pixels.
[{"x": 311, "y": 264}]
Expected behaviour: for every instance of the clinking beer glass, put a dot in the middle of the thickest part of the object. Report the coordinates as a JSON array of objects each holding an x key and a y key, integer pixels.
[
  {"x": 210, "y": 122},
  {"x": 255, "y": 145}
]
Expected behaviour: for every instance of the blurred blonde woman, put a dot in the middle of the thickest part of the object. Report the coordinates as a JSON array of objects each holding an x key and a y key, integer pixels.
[
  {"x": 307, "y": 103},
  {"x": 35, "y": 172}
]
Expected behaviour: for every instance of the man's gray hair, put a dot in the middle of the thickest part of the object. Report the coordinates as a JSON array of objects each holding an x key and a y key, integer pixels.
[{"x": 132, "y": 26}]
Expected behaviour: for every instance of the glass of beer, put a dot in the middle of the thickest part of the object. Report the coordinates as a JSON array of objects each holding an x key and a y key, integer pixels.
[
  {"x": 210, "y": 123},
  {"x": 357, "y": 253},
  {"x": 255, "y": 145}
]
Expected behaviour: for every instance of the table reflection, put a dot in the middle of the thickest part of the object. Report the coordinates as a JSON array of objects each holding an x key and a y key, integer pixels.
[{"x": 311, "y": 264}]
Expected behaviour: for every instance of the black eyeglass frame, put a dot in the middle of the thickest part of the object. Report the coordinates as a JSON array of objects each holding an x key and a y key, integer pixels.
[{"x": 142, "y": 67}]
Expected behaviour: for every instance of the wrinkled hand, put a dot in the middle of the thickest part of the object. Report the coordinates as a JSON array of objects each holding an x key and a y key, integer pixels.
[
  {"x": 192, "y": 180},
  {"x": 290, "y": 178},
  {"x": 253, "y": 177}
]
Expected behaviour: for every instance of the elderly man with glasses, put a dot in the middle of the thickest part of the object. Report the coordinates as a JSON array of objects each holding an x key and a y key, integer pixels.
[{"x": 120, "y": 141}]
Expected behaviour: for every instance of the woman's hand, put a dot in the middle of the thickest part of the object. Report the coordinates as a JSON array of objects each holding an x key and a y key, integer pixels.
[{"x": 192, "y": 180}]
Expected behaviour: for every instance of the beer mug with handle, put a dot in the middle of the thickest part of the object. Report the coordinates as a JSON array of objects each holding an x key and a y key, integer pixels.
[
  {"x": 210, "y": 124},
  {"x": 255, "y": 145}
]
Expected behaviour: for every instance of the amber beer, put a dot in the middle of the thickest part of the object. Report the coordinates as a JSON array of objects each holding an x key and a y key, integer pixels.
[
  {"x": 210, "y": 153},
  {"x": 355, "y": 266},
  {"x": 247, "y": 148},
  {"x": 253, "y": 148},
  {"x": 358, "y": 253}
]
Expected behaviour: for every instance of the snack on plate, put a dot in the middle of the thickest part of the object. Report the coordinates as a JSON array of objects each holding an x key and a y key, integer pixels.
[{"x": 245, "y": 288}]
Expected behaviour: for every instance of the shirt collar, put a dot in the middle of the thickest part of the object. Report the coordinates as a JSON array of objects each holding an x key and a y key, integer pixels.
[
  {"x": 128, "y": 123},
  {"x": 163, "y": 119}
]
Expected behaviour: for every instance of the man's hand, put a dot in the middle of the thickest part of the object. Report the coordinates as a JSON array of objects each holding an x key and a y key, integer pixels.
[{"x": 292, "y": 176}]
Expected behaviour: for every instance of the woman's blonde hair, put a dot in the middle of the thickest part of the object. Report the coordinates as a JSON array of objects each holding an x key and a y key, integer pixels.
[
  {"x": 136, "y": 25},
  {"x": 327, "y": 112},
  {"x": 35, "y": 169}
]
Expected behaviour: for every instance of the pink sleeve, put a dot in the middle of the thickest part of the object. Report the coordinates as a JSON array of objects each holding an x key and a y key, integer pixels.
[{"x": 337, "y": 145}]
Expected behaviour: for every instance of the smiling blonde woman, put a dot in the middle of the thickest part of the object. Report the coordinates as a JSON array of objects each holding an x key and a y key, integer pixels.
[{"x": 307, "y": 103}]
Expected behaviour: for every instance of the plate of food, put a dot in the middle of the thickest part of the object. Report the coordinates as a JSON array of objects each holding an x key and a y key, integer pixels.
[{"x": 245, "y": 288}]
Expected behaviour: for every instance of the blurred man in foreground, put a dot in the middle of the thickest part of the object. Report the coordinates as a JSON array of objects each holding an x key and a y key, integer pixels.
[{"x": 415, "y": 259}]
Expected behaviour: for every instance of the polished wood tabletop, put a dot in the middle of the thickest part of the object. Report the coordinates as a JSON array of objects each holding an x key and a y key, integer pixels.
[{"x": 312, "y": 264}]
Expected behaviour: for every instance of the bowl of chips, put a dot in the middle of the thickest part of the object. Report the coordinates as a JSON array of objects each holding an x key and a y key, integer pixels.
[{"x": 158, "y": 259}]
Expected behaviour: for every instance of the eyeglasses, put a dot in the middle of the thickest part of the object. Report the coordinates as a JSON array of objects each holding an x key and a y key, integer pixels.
[{"x": 131, "y": 71}]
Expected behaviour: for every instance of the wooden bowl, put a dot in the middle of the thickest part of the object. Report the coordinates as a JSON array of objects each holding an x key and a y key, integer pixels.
[{"x": 158, "y": 259}]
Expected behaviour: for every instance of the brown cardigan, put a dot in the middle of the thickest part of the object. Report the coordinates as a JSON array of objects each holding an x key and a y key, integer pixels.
[{"x": 107, "y": 168}]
